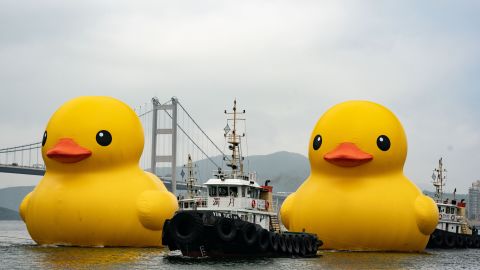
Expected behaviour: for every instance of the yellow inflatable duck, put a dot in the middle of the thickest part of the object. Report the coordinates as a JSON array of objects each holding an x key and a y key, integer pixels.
[
  {"x": 357, "y": 197},
  {"x": 94, "y": 193}
]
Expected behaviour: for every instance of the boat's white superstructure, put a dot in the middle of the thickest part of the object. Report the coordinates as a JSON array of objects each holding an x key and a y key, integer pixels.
[
  {"x": 451, "y": 213},
  {"x": 234, "y": 192},
  {"x": 453, "y": 229}
]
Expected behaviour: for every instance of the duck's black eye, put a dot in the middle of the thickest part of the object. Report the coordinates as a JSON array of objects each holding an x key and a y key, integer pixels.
[
  {"x": 104, "y": 138},
  {"x": 317, "y": 142},
  {"x": 44, "y": 139},
  {"x": 383, "y": 142}
]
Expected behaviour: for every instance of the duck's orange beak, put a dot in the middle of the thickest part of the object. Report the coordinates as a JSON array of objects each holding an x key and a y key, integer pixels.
[
  {"x": 68, "y": 151},
  {"x": 347, "y": 155}
]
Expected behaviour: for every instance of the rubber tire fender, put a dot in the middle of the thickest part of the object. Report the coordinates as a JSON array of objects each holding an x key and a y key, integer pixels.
[
  {"x": 308, "y": 244},
  {"x": 476, "y": 241},
  {"x": 209, "y": 219},
  {"x": 186, "y": 228},
  {"x": 460, "y": 241},
  {"x": 226, "y": 229},
  {"x": 302, "y": 248},
  {"x": 469, "y": 241},
  {"x": 438, "y": 238},
  {"x": 167, "y": 236},
  {"x": 248, "y": 233},
  {"x": 282, "y": 244},
  {"x": 288, "y": 243},
  {"x": 295, "y": 244},
  {"x": 263, "y": 240},
  {"x": 449, "y": 241}
]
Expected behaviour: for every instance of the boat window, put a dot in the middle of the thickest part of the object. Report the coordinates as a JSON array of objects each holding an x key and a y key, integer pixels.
[
  {"x": 243, "y": 191},
  {"x": 212, "y": 191},
  {"x": 256, "y": 193},
  {"x": 233, "y": 191},
  {"x": 249, "y": 192},
  {"x": 222, "y": 191}
]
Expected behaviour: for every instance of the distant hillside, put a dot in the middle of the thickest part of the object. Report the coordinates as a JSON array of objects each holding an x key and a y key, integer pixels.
[
  {"x": 7, "y": 214},
  {"x": 11, "y": 197},
  {"x": 285, "y": 170},
  {"x": 458, "y": 197}
]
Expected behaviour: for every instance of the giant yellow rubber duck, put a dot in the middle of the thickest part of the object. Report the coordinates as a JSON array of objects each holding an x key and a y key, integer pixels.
[
  {"x": 94, "y": 193},
  {"x": 357, "y": 197}
]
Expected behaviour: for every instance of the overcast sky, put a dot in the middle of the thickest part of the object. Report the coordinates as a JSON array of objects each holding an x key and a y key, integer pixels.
[{"x": 286, "y": 62}]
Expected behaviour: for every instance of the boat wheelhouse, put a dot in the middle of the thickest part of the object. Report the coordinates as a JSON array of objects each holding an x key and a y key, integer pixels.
[
  {"x": 453, "y": 229},
  {"x": 234, "y": 215}
]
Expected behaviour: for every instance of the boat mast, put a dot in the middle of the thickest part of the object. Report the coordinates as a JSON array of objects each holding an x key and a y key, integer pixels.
[
  {"x": 439, "y": 177},
  {"x": 234, "y": 139},
  {"x": 190, "y": 178}
]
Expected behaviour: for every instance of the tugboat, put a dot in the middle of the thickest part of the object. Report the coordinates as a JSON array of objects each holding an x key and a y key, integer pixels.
[
  {"x": 453, "y": 229},
  {"x": 235, "y": 217}
]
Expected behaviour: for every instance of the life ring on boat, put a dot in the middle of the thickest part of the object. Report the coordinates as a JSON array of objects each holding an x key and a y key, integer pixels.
[
  {"x": 254, "y": 203},
  {"x": 267, "y": 205}
]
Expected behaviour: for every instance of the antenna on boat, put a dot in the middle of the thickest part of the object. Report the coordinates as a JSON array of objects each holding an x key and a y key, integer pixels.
[
  {"x": 439, "y": 177},
  {"x": 191, "y": 180},
  {"x": 234, "y": 139}
]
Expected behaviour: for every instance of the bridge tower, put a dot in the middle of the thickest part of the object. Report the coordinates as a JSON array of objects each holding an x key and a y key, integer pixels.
[{"x": 172, "y": 159}]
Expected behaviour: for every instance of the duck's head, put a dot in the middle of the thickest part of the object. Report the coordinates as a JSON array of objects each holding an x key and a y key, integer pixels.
[
  {"x": 92, "y": 133},
  {"x": 357, "y": 138}
]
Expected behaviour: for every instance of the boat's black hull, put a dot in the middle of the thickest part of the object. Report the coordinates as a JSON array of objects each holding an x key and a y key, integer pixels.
[
  {"x": 449, "y": 240},
  {"x": 200, "y": 234}
]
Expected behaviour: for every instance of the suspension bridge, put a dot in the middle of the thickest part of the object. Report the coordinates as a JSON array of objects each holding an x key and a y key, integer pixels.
[{"x": 171, "y": 134}]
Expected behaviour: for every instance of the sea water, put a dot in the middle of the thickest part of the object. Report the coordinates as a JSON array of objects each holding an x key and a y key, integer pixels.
[{"x": 18, "y": 251}]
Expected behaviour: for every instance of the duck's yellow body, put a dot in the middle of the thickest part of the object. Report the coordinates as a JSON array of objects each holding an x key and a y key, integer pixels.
[
  {"x": 94, "y": 193},
  {"x": 357, "y": 197}
]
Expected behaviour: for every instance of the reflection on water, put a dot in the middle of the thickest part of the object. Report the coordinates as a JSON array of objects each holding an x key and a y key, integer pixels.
[
  {"x": 370, "y": 260},
  {"x": 17, "y": 250},
  {"x": 78, "y": 258}
]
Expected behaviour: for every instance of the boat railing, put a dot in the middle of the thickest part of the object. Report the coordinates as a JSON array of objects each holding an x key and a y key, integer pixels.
[{"x": 227, "y": 174}]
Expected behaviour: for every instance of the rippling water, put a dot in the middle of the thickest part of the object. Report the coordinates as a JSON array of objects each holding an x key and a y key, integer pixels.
[{"x": 18, "y": 251}]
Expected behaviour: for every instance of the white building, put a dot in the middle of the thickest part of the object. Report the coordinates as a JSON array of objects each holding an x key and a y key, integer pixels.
[{"x": 473, "y": 208}]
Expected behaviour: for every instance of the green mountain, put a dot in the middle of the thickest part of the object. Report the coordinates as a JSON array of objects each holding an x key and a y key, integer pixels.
[
  {"x": 11, "y": 197},
  {"x": 7, "y": 214},
  {"x": 458, "y": 196},
  {"x": 285, "y": 170}
]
